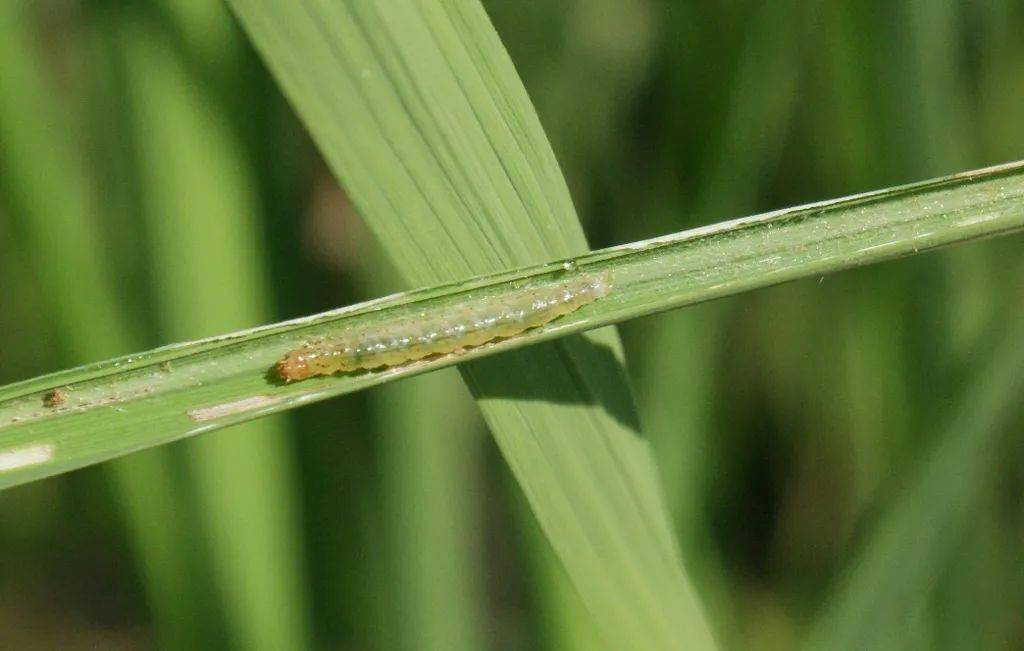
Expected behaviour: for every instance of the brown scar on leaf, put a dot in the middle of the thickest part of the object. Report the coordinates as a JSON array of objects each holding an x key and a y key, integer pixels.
[{"x": 55, "y": 399}]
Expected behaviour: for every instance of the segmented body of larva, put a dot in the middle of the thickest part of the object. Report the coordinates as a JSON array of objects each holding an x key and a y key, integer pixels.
[{"x": 449, "y": 330}]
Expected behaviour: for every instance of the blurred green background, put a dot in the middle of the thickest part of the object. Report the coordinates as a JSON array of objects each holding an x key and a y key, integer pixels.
[{"x": 827, "y": 447}]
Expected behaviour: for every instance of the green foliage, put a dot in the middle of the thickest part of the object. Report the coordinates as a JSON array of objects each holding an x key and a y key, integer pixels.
[
  {"x": 193, "y": 387},
  {"x": 832, "y": 452}
]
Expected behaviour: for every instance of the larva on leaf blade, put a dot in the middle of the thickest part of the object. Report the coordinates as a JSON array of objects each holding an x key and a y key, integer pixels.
[{"x": 449, "y": 330}]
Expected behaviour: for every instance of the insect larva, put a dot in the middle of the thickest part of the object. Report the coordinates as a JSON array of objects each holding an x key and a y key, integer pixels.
[{"x": 449, "y": 330}]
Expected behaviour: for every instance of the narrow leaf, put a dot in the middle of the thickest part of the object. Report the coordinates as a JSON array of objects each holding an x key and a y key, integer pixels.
[
  {"x": 423, "y": 119},
  {"x": 188, "y": 388},
  {"x": 890, "y": 578}
]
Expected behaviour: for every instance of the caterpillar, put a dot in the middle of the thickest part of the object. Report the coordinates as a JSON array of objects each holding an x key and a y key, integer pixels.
[{"x": 452, "y": 329}]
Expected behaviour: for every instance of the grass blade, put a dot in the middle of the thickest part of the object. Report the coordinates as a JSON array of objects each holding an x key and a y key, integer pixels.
[
  {"x": 60, "y": 230},
  {"x": 154, "y": 393},
  {"x": 420, "y": 114},
  {"x": 430, "y": 444},
  {"x": 908, "y": 549},
  {"x": 199, "y": 199}
]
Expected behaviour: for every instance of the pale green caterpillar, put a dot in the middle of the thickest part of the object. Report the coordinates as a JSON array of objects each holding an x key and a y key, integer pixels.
[{"x": 446, "y": 331}]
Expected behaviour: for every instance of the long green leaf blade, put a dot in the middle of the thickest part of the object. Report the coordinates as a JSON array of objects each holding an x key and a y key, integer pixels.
[
  {"x": 913, "y": 540},
  {"x": 188, "y": 388},
  {"x": 199, "y": 201},
  {"x": 48, "y": 193},
  {"x": 421, "y": 116}
]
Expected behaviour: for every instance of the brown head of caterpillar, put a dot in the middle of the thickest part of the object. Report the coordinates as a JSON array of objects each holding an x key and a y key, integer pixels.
[{"x": 294, "y": 366}]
